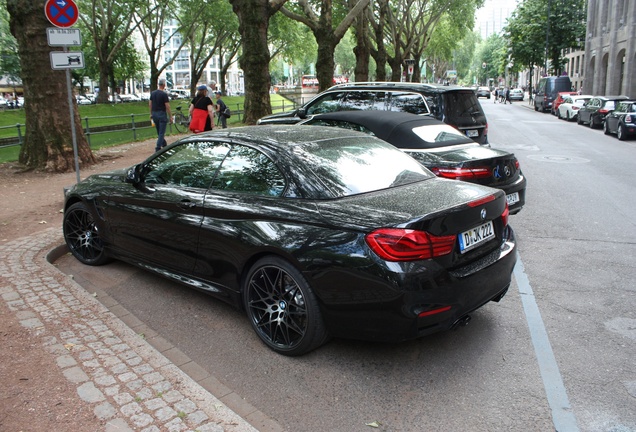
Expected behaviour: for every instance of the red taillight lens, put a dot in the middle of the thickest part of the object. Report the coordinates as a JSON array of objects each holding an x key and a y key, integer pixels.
[
  {"x": 462, "y": 173},
  {"x": 574, "y": 108},
  {"x": 481, "y": 201},
  {"x": 603, "y": 111},
  {"x": 505, "y": 215},
  {"x": 628, "y": 118},
  {"x": 517, "y": 164},
  {"x": 397, "y": 244}
]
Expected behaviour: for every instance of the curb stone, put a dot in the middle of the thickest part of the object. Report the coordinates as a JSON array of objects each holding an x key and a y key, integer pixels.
[{"x": 123, "y": 380}]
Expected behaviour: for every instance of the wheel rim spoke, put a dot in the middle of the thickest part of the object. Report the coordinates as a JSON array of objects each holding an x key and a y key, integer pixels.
[
  {"x": 82, "y": 235},
  {"x": 277, "y": 307}
]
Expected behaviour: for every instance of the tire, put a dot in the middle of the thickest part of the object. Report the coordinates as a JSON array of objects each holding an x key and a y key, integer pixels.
[
  {"x": 578, "y": 119},
  {"x": 82, "y": 236},
  {"x": 558, "y": 114},
  {"x": 567, "y": 116},
  {"x": 536, "y": 108},
  {"x": 181, "y": 122},
  {"x": 282, "y": 308},
  {"x": 620, "y": 132},
  {"x": 591, "y": 124},
  {"x": 606, "y": 130}
]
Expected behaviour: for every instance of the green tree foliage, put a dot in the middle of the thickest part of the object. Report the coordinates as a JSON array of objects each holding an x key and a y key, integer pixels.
[
  {"x": 109, "y": 24},
  {"x": 329, "y": 24},
  {"x": 9, "y": 58},
  {"x": 539, "y": 30},
  {"x": 492, "y": 55}
]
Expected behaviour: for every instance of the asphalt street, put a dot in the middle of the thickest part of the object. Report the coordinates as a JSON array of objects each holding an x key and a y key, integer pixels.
[{"x": 557, "y": 353}]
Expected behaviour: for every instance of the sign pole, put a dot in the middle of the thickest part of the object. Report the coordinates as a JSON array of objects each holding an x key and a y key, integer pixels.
[{"x": 69, "y": 90}]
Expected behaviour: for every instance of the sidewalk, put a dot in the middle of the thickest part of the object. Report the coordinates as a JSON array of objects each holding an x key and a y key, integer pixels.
[{"x": 126, "y": 383}]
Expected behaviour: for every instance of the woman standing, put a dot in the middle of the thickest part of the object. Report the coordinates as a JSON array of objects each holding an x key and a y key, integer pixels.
[{"x": 201, "y": 111}]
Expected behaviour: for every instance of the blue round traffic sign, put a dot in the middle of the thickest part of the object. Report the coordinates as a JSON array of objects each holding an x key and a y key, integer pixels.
[{"x": 61, "y": 13}]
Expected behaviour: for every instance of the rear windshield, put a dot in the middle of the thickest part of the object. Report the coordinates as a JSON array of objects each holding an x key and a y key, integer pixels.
[
  {"x": 461, "y": 104},
  {"x": 352, "y": 166}
]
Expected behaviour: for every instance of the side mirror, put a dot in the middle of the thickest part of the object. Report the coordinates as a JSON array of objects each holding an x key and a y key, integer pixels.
[
  {"x": 134, "y": 174},
  {"x": 302, "y": 113}
]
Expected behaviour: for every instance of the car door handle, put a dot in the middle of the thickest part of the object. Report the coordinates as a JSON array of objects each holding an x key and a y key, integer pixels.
[{"x": 187, "y": 204}]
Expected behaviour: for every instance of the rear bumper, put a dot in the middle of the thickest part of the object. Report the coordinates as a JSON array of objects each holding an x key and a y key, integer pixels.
[{"x": 422, "y": 306}]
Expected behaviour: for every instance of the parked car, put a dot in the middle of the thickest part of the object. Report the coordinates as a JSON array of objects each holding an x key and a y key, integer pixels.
[
  {"x": 571, "y": 105},
  {"x": 83, "y": 100},
  {"x": 314, "y": 231},
  {"x": 454, "y": 105},
  {"x": 516, "y": 94},
  {"x": 594, "y": 111},
  {"x": 621, "y": 121},
  {"x": 483, "y": 92},
  {"x": 559, "y": 100},
  {"x": 548, "y": 89},
  {"x": 129, "y": 97},
  {"x": 444, "y": 150}
]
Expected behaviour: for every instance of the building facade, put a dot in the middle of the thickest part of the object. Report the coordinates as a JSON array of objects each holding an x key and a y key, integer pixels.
[{"x": 610, "y": 48}]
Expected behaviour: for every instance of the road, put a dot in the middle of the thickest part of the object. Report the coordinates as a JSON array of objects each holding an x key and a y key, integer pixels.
[{"x": 556, "y": 353}]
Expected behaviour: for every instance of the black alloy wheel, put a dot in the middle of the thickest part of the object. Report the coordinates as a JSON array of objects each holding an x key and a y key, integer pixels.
[
  {"x": 82, "y": 237},
  {"x": 282, "y": 308}
]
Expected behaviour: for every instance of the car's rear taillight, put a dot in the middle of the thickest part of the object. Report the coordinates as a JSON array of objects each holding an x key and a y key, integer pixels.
[
  {"x": 603, "y": 111},
  {"x": 398, "y": 244},
  {"x": 574, "y": 108},
  {"x": 505, "y": 215},
  {"x": 462, "y": 173},
  {"x": 481, "y": 201},
  {"x": 628, "y": 118}
]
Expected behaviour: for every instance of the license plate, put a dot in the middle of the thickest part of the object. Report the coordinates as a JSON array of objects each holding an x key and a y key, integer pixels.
[
  {"x": 475, "y": 236},
  {"x": 472, "y": 133},
  {"x": 513, "y": 198}
]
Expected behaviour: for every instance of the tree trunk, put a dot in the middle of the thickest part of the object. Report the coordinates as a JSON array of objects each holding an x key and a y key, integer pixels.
[
  {"x": 48, "y": 142},
  {"x": 362, "y": 50},
  {"x": 253, "y": 16},
  {"x": 325, "y": 63}
]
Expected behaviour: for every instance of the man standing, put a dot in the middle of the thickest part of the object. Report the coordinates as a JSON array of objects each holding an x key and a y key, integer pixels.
[
  {"x": 159, "y": 105},
  {"x": 220, "y": 110}
]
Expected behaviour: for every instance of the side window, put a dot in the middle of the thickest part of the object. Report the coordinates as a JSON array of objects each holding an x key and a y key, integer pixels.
[
  {"x": 357, "y": 101},
  {"x": 191, "y": 164},
  {"x": 328, "y": 103},
  {"x": 248, "y": 170},
  {"x": 413, "y": 103}
]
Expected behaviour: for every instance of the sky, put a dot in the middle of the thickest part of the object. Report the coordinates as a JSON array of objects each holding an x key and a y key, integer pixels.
[{"x": 491, "y": 18}]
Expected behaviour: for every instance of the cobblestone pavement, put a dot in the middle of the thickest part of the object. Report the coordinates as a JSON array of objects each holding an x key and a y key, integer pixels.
[{"x": 124, "y": 381}]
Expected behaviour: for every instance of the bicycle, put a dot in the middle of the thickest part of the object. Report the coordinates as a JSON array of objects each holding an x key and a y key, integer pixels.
[{"x": 181, "y": 121}]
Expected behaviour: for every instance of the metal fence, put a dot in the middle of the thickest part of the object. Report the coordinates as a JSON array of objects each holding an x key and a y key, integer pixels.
[{"x": 111, "y": 130}]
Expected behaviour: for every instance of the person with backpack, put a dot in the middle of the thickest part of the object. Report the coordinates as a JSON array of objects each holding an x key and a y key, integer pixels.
[{"x": 221, "y": 110}]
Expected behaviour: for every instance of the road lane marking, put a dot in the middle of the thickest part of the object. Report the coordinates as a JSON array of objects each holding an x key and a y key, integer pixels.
[{"x": 562, "y": 414}]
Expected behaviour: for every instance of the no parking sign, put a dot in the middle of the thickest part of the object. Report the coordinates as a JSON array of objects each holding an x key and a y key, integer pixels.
[{"x": 61, "y": 13}]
